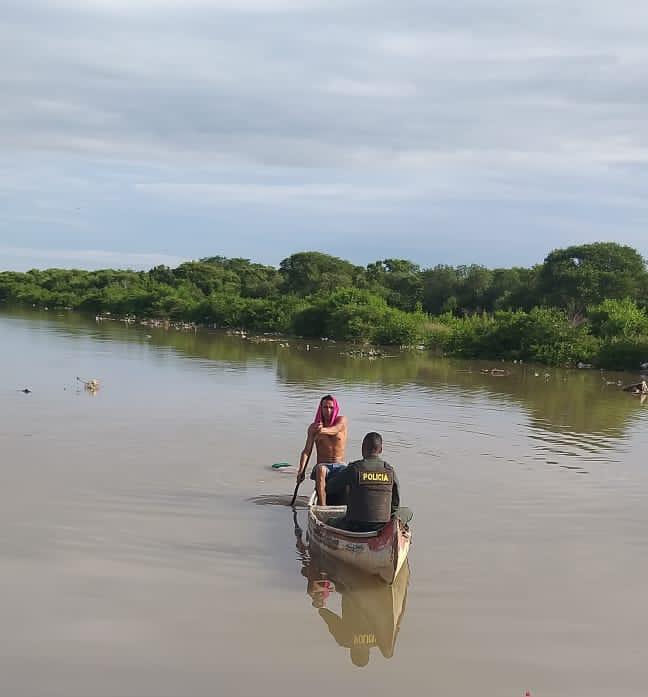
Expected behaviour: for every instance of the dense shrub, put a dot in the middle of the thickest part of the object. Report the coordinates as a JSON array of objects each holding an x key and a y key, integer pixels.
[
  {"x": 623, "y": 353},
  {"x": 618, "y": 318}
]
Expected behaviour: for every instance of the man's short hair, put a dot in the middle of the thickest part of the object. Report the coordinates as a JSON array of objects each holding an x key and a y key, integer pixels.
[{"x": 373, "y": 442}]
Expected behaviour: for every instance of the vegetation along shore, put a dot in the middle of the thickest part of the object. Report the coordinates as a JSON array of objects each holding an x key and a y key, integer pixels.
[{"x": 583, "y": 304}]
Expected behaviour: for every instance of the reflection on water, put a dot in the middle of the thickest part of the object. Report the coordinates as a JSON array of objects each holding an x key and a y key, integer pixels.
[
  {"x": 370, "y": 611},
  {"x": 280, "y": 500},
  {"x": 581, "y": 401}
]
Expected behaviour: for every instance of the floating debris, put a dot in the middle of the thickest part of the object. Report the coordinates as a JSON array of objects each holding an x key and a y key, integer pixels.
[
  {"x": 370, "y": 353},
  {"x": 496, "y": 372},
  {"x": 90, "y": 385}
]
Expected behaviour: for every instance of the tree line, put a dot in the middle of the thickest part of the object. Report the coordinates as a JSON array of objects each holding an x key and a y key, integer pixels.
[{"x": 584, "y": 303}]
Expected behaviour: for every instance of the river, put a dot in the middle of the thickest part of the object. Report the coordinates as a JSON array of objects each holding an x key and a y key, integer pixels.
[{"x": 145, "y": 550}]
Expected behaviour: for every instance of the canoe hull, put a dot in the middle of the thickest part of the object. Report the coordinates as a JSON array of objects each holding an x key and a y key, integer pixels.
[{"x": 379, "y": 554}]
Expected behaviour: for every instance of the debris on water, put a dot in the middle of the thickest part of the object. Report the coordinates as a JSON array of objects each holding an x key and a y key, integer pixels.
[
  {"x": 370, "y": 353},
  {"x": 496, "y": 372},
  {"x": 90, "y": 385},
  {"x": 286, "y": 470}
]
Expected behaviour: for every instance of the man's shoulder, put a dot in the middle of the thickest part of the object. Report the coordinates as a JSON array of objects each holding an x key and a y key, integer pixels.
[{"x": 383, "y": 463}]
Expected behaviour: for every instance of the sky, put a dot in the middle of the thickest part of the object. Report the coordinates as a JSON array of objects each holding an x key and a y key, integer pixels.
[{"x": 144, "y": 132}]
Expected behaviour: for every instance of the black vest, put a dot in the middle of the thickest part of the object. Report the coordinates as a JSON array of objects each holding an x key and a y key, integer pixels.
[{"x": 370, "y": 492}]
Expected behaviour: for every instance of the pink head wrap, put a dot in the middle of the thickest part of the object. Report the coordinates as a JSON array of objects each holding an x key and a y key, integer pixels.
[{"x": 319, "y": 417}]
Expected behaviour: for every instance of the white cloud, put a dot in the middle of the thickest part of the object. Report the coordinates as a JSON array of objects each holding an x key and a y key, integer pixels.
[
  {"x": 23, "y": 258},
  {"x": 358, "y": 88},
  {"x": 279, "y": 194},
  {"x": 362, "y": 107}
]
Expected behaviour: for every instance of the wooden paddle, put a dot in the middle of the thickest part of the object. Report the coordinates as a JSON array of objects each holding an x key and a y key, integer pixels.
[{"x": 299, "y": 481}]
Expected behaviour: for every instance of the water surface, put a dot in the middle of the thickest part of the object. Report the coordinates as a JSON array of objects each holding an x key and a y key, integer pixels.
[{"x": 135, "y": 559}]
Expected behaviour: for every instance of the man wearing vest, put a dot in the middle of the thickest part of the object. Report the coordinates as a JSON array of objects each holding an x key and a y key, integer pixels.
[{"x": 373, "y": 495}]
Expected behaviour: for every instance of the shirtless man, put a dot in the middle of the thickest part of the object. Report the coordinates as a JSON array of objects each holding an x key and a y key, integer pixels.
[{"x": 328, "y": 433}]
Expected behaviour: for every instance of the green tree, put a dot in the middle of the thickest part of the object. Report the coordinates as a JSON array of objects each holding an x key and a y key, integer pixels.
[
  {"x": 306, "y": 273},
  {"x": 399, "y": 281},
  {"x": 511, "y": 289},
  {"x": 473, "y": 287},
  {"x": 208, "y": 277},
  {"x": 578, "y": 276},
  {"x": 440, "y": 287}
]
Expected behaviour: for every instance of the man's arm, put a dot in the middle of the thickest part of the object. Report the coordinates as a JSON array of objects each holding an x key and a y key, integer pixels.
[
  {"x": 306, "y": 452},
  {"x": 342, "y": 478},
  {"x": 339, "y": 426}
]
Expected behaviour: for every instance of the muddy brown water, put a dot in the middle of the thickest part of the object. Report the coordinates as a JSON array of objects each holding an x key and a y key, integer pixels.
[{"x": 146, "y": 548}]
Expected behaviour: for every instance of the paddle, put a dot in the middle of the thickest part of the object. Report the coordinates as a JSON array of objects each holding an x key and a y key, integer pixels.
[{"x": 299, "y": 481}]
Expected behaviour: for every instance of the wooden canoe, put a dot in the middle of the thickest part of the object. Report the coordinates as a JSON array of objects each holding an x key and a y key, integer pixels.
[{"x": 380, "y": 553}]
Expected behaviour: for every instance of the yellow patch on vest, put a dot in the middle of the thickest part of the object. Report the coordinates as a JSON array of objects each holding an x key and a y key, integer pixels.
[{"x": 376, "y": 477}]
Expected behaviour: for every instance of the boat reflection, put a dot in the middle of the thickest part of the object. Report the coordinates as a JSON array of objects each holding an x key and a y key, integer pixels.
[{"x": 371, "y": 611}]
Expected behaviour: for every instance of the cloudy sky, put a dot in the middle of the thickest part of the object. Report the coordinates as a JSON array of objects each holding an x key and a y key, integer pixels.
[{"x": 139, "y": 132}]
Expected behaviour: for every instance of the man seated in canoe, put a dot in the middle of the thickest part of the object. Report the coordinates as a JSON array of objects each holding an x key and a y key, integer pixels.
[
  {"x": 373, "y": 494},
  {"x": 328, "y": 433}
]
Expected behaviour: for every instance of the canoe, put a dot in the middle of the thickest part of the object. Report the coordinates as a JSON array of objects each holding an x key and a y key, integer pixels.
[{"x": 380, "y": 553}]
